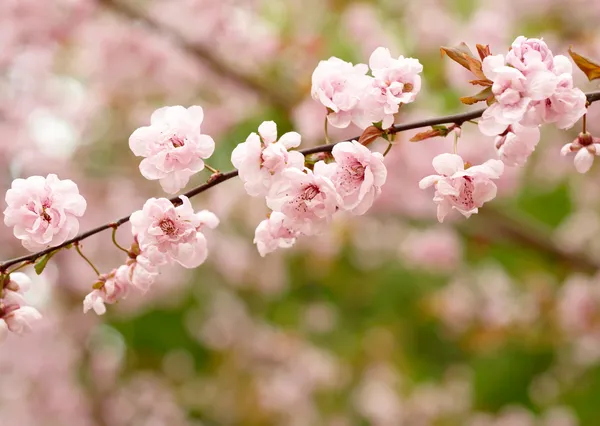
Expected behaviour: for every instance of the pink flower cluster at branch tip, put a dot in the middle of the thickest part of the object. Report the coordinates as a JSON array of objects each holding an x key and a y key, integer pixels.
[
  {"x": 352, "y": 96},
  {"x": 462, "y": 188},
  {"x": 173, "y": 146},
  {"x": 261, "y": 159},
  {"x": 43, "y": 211},
  {"x": 531, "y": 87},
  {"x": 15, "y": 314}
]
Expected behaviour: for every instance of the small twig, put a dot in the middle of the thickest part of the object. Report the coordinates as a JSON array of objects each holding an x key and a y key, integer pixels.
[
  {"x": 212, "y": 169},
  {"x": 85, "y": 258},
  {"x": 326, "y": 128},
  {"x": 114, "y": 239}
]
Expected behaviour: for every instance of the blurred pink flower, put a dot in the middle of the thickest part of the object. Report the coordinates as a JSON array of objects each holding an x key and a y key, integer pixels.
[
  {"x": 359, "y": 175},
  {"x": 43, "y": 211},
  {"x": 460, "y": 189},
  {"x": 174, "y": 231},
  {"x": 173, "y": 146},
  {"x": 261, "y": 159},
  {"x": 397, "y": 79}
]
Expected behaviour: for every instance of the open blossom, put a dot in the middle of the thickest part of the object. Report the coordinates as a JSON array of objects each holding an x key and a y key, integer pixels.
[
  {"x": 168, "y": 233},
  {"x": 261, "y": 159},
  {"x": 275, "y": 232},
  {"x": 15, "y": 315},
  {"x": 586, "y": 148},
  {"x": 526, "y": 52},
  {"x": 109, "y": 289},
  {"x": 460, "y": 189},
  {"x": 516, "y": 144},
  {"x": 339, "y": 86},
  {"x": 309, "y": 199},
  {"x": 43, "y": 211},
  {"x": 141, "y": 272},
  {"x": 358, "y": 175},
  {"x": 396, "y": 81},
  {"x": 173, "y": 146},
  {"x": 514, "y": 92}
]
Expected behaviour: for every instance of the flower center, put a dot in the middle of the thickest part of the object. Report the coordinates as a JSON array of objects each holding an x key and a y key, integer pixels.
[
  {"x": 310, "y": 192},
  {"x": 167, "y": 226},
  {"x": 176, "y": 141},
  {"x": 465, "y": 198}
]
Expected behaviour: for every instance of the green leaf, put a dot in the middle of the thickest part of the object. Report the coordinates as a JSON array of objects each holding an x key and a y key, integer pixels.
[
  {"x": 590, "y": 68},
  {"x": 43, "y": 261}
]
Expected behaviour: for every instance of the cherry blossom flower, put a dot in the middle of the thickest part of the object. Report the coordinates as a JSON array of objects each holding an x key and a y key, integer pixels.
[
  {"x": 174, "y": 232},
  {"x": 273, "y": 233},
  {"x": 526, "y": 52},
  {"x": 586, "y": 148},
  {"x": 15, "y": 315},
  {"x": 261, "y": 159},
  {"x": 309, "y": 199},
  {"x": 173, "y": 146},
  {"x": 358, "y": 175},
  {"x": 109, "y": 289},
  {"x": 516, "y": 144},
  {"x": 339, "y": 86},
  {"x": 396, "y": 81},
  {"x": 465, "y": 189},
  {"x": 43, "y": 211}
]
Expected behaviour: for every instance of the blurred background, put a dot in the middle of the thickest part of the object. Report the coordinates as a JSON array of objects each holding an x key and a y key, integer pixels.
[{"x": 387, "y": 319}]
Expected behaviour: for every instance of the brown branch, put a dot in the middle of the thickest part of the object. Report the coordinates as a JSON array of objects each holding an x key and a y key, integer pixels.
[
  {"x": 222, "y": 177},
  {"x": 264, "y": 89}
]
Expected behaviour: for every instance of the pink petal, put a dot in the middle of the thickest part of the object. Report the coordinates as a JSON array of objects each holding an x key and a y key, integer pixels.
[
  {"x": 583, "y": 160},
  {"x": 448, "y": 164}
]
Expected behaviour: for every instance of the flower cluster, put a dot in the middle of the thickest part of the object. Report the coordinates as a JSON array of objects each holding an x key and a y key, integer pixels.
[
  {"x": 530, "y": 87},
  {"x": 15, "y": 314},
  {"x": 303, "y": 200},
  {"x": 43, "y": 211},
  {"x": 173, "y": 146},
  {"x": 163, "y": 234},
  {"x": 352, "y": 96}
]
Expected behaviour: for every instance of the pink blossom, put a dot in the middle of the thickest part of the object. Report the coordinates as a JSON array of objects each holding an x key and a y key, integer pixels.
[
  {"x": 460, "y": 189},
  {"x": 173, "y": 146},
  {"x": 586, "y": 148},
  {"x": 261, "y": 159},
  {"x": 564, "y": 107},
  {"x": 141, "y": 272},
  {"x": 273, "y": 233},
  {"x": 15, "y": 315},
  {"x": 309, "y": 199},
  {"x": 359, "y": 175},
  {"x": 109, "y": 289},
  {"x": 339, "y": 86},
  {"x": 174, "y": 232},
  {"x": 514, "y": 92},
  {"x": 43, "y": 211},
  {"x": 529, "y": 51},
  {"x": 516, "y": 144},
  {"x": 18, "y": 282},
  {"x": 397, "y": 80}
]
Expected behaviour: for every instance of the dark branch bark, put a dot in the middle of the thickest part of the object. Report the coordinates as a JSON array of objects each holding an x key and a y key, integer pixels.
[{"x": 222, "y": 177}]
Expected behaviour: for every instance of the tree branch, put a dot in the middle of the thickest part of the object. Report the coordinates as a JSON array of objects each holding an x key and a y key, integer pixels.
[
  {"x": 218, "y": 66},
  {"x": 222, "y": 177}
]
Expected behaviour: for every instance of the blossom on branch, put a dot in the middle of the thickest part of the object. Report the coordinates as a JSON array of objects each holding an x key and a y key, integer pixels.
[
  {"x": 261, "y": 159},
  {"x": 463, "y": 188},
  {"x": 15, "y": 315},
  {"x": 172, "y": 234},
  {"x": 43, "y": 211},
  {"x": 275, "y": 232},
  {"x": 173, "y": 146},
  {"x": 586, "y": 147},
  {"x": 358, "y": 175}
]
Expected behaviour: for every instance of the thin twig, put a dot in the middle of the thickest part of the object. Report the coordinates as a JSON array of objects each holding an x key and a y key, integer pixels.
[
  {"x": 216, "y": 179},
  {"x": 89, "y": 262},
  {"x": 114, "y": 240}
]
